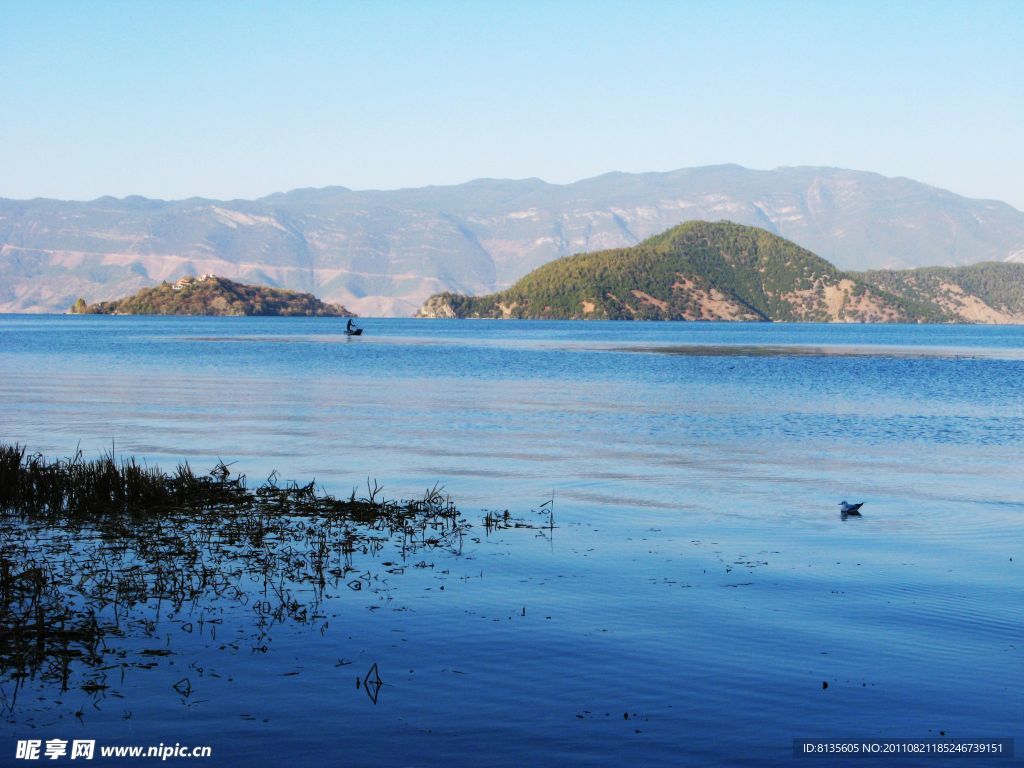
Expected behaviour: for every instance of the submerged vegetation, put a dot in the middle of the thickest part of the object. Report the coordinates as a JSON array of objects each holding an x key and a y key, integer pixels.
[
  {"x": 96, "y": 555},
  {"x": 212, "y": 295}
]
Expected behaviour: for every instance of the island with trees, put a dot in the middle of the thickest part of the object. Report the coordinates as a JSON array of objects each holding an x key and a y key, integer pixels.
[
  {"x": 213, "y": 295},
  {"x": 724, "y": 271}
]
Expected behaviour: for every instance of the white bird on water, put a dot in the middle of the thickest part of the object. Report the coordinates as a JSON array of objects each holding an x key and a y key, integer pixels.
[{"x": 850, "y": 509}]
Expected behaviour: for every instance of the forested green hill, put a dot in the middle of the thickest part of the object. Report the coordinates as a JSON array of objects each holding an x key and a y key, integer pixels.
[
  {"x": 990, "y": 292},
  {"x": 696, "y": 271}
]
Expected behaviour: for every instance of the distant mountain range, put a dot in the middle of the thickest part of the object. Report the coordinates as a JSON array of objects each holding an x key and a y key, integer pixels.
[
  {"x": 384, "y": 253},
  {"x": 724, "y": 271}
]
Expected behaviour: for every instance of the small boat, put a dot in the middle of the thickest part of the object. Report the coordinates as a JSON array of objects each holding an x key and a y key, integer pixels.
[{"x": 354, "y": 332}]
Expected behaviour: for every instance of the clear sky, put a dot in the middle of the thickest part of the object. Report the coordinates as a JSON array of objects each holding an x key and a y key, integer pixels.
[{"x": 240, "y": 99}]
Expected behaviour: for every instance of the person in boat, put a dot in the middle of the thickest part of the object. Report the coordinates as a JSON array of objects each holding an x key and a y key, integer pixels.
[{"x": 350, "y": 327}]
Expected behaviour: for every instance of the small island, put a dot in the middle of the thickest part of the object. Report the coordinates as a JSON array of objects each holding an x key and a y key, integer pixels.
[{"x": 217, "y": 296}]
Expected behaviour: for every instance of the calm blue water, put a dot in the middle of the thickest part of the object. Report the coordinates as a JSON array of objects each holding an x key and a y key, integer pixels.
[{"x": 700, "y": 579}]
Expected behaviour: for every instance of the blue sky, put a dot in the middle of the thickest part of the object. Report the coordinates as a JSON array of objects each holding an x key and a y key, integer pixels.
[{"x": 242, "y": 99}]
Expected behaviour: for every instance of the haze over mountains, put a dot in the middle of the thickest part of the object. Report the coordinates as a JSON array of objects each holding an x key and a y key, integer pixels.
[{"x": 385, "y": 252}]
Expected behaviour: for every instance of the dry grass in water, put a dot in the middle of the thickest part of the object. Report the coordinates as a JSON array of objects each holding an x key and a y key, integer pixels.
[{"x": 97, "y": 551}]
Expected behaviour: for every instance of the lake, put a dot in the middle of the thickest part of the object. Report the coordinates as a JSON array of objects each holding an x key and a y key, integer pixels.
[{"x": 694, "y": 598}]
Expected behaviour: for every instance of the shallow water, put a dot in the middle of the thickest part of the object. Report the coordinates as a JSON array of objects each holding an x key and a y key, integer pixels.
[{"x": 699, "y": 581}]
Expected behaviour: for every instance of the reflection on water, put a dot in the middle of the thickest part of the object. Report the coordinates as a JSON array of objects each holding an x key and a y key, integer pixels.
[{"x": 698, "y": 587}]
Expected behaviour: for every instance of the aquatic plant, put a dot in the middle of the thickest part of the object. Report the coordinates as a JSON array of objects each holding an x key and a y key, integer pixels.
[{"x": 95, "y": 552}]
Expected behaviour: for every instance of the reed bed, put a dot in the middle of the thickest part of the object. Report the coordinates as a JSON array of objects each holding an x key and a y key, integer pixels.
[{"x": 95, "y": 554}]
